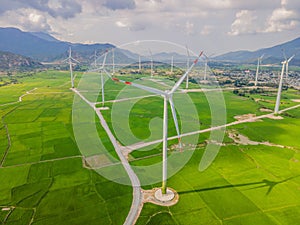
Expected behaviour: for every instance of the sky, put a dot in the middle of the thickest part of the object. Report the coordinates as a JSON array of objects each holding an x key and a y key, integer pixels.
[{"x": 215, "y": 26}]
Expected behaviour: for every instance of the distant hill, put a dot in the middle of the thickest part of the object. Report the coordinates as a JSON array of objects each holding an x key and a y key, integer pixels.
[
  {"x": 43, "y": 47},
  {"x": 10, "y": 61},
  {"x": 44, "y": 36},
  {"x": 271, "y": 55}
]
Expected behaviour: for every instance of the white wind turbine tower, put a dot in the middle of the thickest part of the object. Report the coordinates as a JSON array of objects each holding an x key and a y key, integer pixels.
[
  {"x": 172, "y": 64},
  {"x": 205, "y": 67},
  {"x": 100, "y": 70},
  {"x": 259, "y": 59},
  {"x": 140, "y": 66},
  {"x": 151, "y": 62},
  {"x": 168, "y": 97},
  {"x": 71, "y": 61},
  {"x": 187, "y": 66},
  {"x": 284, "y": 63},
  {"x": 95, "y": 58},
  {"x": 113, "y": 61}
]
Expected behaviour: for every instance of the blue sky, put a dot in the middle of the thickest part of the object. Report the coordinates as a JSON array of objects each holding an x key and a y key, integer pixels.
[{"x": 216, "y": 26}]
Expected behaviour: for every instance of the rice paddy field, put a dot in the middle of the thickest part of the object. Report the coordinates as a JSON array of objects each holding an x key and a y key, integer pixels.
[
  {"x": 255, "y": 178},
  {"x": 42, "y": 178}
]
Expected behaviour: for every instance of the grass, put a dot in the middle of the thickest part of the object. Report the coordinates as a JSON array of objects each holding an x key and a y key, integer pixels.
[
  {"x": 233, "y": 190},
  {"x": 285, "y": 132},
  {"x": 245, "y": 184},
  {"x": 43, "y": 179}
]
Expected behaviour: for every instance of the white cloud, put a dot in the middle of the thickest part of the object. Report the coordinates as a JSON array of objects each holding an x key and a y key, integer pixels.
[
  {"x": 207, "y": 30},
  {"x": 119, "y": 21},
  {"x": 284, "y": 18},
  {"x": 189, "y": 28},
  {"x": 28, "y": 19},
  {"x": 245, "y": 23},
  {"x": 122, "y": 24}
]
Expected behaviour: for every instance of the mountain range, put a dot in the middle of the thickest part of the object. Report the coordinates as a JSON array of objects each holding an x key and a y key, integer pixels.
[
  {"x": 270, "y": 55},
  {"x": 43, "y": 47}
]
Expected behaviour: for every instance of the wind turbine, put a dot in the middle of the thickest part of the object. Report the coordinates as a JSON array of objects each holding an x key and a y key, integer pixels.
[
  {"x": 71, "y": 62},
  {"x": 151, "y": 61},
  {"x": 172, "y": 64},
  {"x": 168, "y": 97},
  {"x": 95, "y": 58},
  {"x": 206, "y": 64},
  {"x": 287, "y": 66},
  {"x": 100, "y": 69},
  {"x": 113, "y": 61},
  {"x": 284, "y": 64},
  {"x": 140, "y": 66},
  {"x": 259, "y": 59},
  {"x": 187, "y": 66},
  {"x": 205, "y": 67},
  {"x": 279, "y": 88}
]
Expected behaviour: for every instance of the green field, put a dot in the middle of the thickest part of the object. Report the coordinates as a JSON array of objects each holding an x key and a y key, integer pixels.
[{"x": 43, "y": 180}]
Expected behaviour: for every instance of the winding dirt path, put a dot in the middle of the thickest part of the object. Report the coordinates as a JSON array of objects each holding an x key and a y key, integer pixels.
[{"x": 20, "y": 99}]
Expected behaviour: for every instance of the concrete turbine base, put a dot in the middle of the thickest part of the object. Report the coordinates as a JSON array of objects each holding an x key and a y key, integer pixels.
[
  {"x": 156, "y": 197},
  {"x": 164, "y": 197}
]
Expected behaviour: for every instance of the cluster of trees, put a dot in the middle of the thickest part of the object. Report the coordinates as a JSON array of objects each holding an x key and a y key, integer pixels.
[{"x": 244, "y": 92}]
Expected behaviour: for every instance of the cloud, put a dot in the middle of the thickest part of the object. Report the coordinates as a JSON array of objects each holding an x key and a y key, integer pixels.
[
  {"x": 282, "y": 19},
  {"x": 119, "y": 4},
  {"x": 207, "y": 29},
  {"x": 132, "y": 25},
  {"x": 121, "y": 24},
  {"x": 189, "y": 28},
  {"x": 245, "y": 23},
  {"x": 285, "y": 17},
  {"x": 64, "y": 8},
  {"x": 28, "y": 19},
  {"x": 56, "y": 8}
]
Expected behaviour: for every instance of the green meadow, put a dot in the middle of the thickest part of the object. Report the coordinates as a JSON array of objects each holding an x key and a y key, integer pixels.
[
  {"x": 43, "y": 180},
  {"x": 246, "y": 184},
  {"x": 42, "y": 177}
]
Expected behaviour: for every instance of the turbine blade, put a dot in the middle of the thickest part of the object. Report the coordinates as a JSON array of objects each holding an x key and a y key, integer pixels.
[
  {"x": 284, "y": 55},
  {"x": 65, "y": 60},
  {"x": 188, "y": 57},
  {"x": 175, "y": 120},
  {"x": 74, "y": 60},
  {"x": 176, "y": 86},
  {"x": 101, "y": 67},
  {"x": 291, "y": 58},
  {"x": 140, "y": 86},
  {"x": 187, "y": 67},
  {"x": 143, "y": 87},
  {"x": 104, "y": 60}
]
